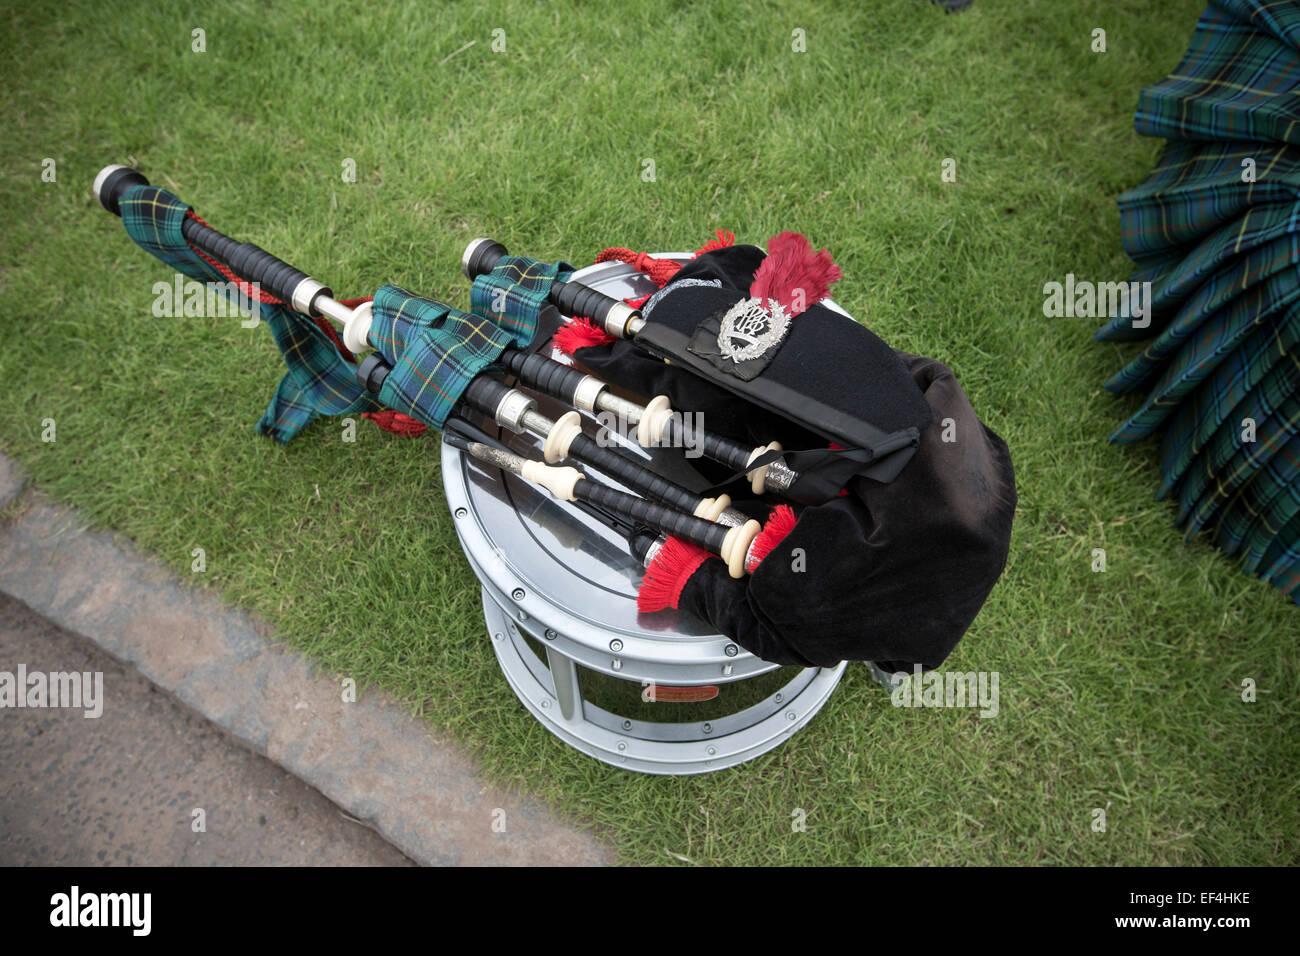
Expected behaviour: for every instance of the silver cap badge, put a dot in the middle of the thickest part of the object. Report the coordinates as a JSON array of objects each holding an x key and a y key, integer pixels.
[{"x": 750, "y": 329}]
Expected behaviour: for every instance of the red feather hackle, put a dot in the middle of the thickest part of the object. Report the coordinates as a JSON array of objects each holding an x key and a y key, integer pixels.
[{"x": 793, "y": 274}]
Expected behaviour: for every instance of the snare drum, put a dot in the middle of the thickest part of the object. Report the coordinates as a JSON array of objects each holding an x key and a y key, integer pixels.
[{"x": 656, "y": 693}]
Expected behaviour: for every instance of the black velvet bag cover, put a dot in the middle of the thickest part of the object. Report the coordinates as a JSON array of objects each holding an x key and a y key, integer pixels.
[{"x": 891, "y": 573}]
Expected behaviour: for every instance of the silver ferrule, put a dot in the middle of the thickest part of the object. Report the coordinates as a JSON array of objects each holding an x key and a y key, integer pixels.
[
  {"x": 732, "y": 518},
  {"x": 305, "y": 292},
  {"x": 533, "y": 421},
  {"x": 653, "y": 550},
  {"x": 779, "y": 477},
  {"x": 586, "y": 397},
  {"x": 469, "y": 254},
  {"x": 99, "y": 182},
  {"x": 619, "y": 320},
  {"x": 621, "y": 408},
  {"x": 513, "y": 410}
]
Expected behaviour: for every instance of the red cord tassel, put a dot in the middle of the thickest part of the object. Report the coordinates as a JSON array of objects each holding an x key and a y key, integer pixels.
[
  {"x": 661, "y": 270},
  {"x": 724, "y": 238},
  {"x": 662, "y": 584},
  {"x": 397, "y": 423}
]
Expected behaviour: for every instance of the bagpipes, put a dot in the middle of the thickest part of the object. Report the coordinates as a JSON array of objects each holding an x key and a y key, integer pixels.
[{"x": 904, "y": 498}]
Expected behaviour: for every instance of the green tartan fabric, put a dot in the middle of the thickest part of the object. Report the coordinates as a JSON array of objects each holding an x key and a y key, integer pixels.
[
  {"x": 1264, "y": 242},
  {"x": 1227, "y": 462},
  {"x": 1262, "y": 509},
  {"x": 1275, "y": 17},
  {"x": 1202, "y": 353},
  {"x": 1197, "y": 188},
  {"x": 319, "y": 381},
  {"x": 1256, "y": 502},
  {"x": 1222, "y": 254},
  {"x": 434, "y": 350},
  {"x": 1197, "y": 417},
  {"x": 513, "y": 294},
  {"x": 1283, "y": 560},
  {"x": 1236, "y": 81}
]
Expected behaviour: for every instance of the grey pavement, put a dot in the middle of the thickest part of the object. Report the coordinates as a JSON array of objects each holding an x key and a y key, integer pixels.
[
  {"x": 370, "y": 757},
  {"x": 122, "y": 789}
]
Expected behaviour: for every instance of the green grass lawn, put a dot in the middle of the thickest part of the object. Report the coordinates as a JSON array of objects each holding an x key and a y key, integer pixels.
[{"x": 1120, "y": 690}]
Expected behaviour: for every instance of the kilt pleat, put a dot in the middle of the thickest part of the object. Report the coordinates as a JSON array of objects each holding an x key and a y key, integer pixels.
[{"x": 1200, "y": 414}]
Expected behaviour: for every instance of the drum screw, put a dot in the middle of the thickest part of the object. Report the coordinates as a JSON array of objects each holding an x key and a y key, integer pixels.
[
  {"x": 550, "y": 634},
  {"x": 496, "y": 636},
  {"x": 708, "y": 728},
  {"x": 627, "y": 725},
  {"x": 517, "y": 594},
  {"x": 546, "y": 704},
  {"x": 616, "y": 645},
  {"x": 789, "y": 715},
  {"x": 712, "y": 751},
  {"x": 622, "y": 746},
  {"x": 779, "y": 697},
  {"x": 461, "y": 512},
  {"x": 731, "y": 650}
]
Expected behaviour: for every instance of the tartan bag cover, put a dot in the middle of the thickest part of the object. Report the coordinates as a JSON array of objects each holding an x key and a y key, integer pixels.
[
  {"x": 319, "y": 381},
  {"x": 513, "y": 294},
  {"x": 434, "y": 350}
]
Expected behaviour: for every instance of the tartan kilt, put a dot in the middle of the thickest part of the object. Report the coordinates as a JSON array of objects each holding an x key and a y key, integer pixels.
[{"x": 1215, "y": 229}]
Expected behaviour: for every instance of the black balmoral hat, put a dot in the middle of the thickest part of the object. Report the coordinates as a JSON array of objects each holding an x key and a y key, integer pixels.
[
  {"x": 750, "y": 345},
  {"x": 754, "y": 325}
]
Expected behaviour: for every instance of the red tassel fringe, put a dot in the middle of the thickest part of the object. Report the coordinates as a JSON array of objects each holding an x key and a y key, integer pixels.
[
  {"x": 580, "y": 334},
  {"x": 662, "y": 584},
  {"x": 780, "y": 523}
]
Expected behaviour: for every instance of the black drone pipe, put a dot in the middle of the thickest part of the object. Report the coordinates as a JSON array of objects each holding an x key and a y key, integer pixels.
[
  {"x": 657, "y": 424},
  {"x": 563, "y": 438},
  {"x": 732, "y": 544},
  {"x": 572, "y": 298},
  {"x": 508, "y": 407},
  {"x": 642, "y": 542},
  {"x": 249, "y": 262}
]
